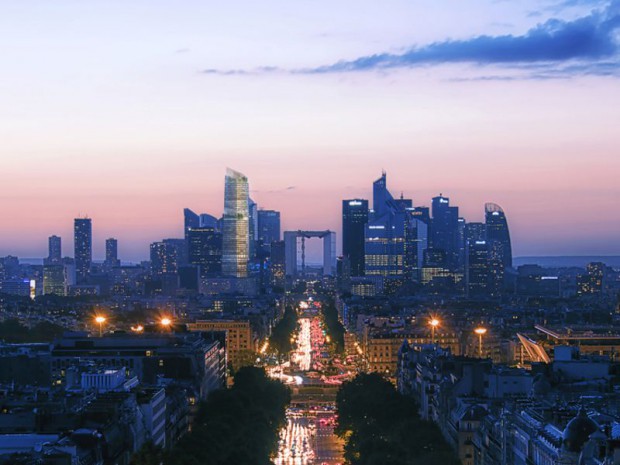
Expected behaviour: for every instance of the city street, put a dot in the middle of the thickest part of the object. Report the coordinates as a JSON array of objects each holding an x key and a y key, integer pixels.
[{"x": 308, "y": 438}]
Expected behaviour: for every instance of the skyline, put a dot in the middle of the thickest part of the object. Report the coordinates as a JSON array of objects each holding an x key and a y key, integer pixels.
[
  {"x": 131, "y": 113},
  {"x": 140, "y": 245}
]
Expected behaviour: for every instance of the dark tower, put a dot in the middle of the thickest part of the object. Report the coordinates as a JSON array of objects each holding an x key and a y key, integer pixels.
[{"x": 354, "y": 219}]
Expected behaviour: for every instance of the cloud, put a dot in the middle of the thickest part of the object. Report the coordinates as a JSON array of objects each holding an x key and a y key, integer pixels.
[
  {"x": 588, "y": 39},
  {"x": 587, "y": 45}
]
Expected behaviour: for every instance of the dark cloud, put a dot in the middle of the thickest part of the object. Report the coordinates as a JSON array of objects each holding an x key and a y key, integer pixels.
[
  {"x": 558, "y": 48},
  {"x": 587, "y": 39}
]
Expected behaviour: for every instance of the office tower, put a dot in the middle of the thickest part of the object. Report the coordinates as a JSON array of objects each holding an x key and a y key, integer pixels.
[
  {"x": 278, "y": 264},
  {"x": 190, "y": 220},
  {"x": 500, "y": 249},
  {"x": 497, "y": 231},
  {"x": 593, "y": 282},
  {"x": 236, "y": 227},
  {"x": 460, "y": 240},
  {"x": 354, "y": 219},
  {"x": 164, "y": 258},
  {"x": 444, "y": 230},
  {"x": 111, "y": 252},
  {"x": 83, "y": 240},
  {"x": 55, "y": 279},
  {"x": 55, "y": 250},
  {"x": 268, "y": 227},
  {"x": 393, "y": 239},
  {"x": 205, "y": 250},
  {"x": 477, "y": 273},
  {"x": 475, "y": 232},
  {"x": 252, "y": 227}
]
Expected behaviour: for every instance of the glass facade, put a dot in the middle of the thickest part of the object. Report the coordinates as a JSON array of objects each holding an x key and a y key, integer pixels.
[{"x": 236, "y": 225}]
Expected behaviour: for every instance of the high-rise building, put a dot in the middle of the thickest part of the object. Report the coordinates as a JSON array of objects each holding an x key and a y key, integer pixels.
[
  {"x": 54, "y": 256},
  {"x": 268, "y": 227},
  {"x": 83, "y": 240},
  {"x": 445, "y": 228},
  {"x": 111, "y": 252},
  {"x": 190, "y": 220},
  {"x": 164, "y": 258},
  {"x": 236, "y": 225},
  {"x": 55, "y": 279},
  {"x": 500, "y": 249},
  {"x": 497, "y": 231},
  {"x": 205, "y": 250},
  {"x": 394, "y": 240},
  {"x": 354, "y": 219},
  {"x": 477, "y": 272},
  {"x": 277, "y": 263},
  {"x": 252, "y": 227}
]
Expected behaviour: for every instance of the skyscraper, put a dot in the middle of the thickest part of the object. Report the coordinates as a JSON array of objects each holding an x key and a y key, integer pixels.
[
  {"x": 252, "y": 227},
  {"x": 111, "y": 252},
  {"x": 354, "y": 219},
  {"x": 445, "y": 227},
  {"x": 83, "y": 241},
  {"x": 55, "y": 250},
  {"x": 236, "y": 227},
  {"x": 190, "y": 220},
  {"x": 500, "y": 249},
  {"x": 497, "y": 231},
  {"x": 268, "y": 227},
  {"x": 205, "y": 250},
  {"x": 477, "y": 272}
]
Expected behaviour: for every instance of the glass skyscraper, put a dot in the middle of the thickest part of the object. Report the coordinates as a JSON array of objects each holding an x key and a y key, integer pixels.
[
  {"x": 497, "y": 231},
  {"x": 268, "y": 227},
  {"x": 236, "y": 225},
  {"x": 83, "y": 241},
  {"x": 55, "y": 250},
  {"x": 354, "y": 219}
]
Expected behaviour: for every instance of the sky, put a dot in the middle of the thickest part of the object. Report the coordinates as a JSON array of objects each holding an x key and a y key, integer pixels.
[{"x": 128, "y": 111}]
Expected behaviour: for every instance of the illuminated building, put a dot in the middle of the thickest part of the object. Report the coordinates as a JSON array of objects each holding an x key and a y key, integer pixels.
[
  {"x": 205, "y": 250},
  {"x": 239, "y": 340},
  {"x": 164, "y": 258},
  {"x": 354, "y": 219},
  {"x": 111, "y": 252},
  {"x": 499, "y": 246},
  {"x": 236, "y": 232},
  {"x": 278, "y": 264},
  {"x": 55, "y": 250},
  {"x": 445, "y": 227},
  {"x": 55, "y": 280},
  {"x": 592, "y": 282},
  {"x": 83, "y": 240},
  {"x": 190, "y": 220},
  {"x": 477, "y": 273},
  {"x": 268, "y": 227},
  {"x": 394, "y": 240}
]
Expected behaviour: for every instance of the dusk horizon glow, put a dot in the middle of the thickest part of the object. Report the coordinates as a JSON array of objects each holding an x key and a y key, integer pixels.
[{"x": 128, "y": 114}]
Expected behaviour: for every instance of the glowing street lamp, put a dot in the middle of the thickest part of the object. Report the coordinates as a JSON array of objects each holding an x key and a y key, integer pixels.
[
  {"x": 480, "y": 332},
  {"x": 165, "y": 322},
  {"x": 100, "y": 320},
  {"x": 434, "y": 323},
  {"x": 137, "y": 328}
]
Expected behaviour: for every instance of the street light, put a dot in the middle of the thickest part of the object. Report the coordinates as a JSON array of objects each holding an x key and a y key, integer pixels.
[
  {"x": 434, "y": 323},
  {"x": 480, "y": 332},
  {"x": 100, "y": 320},
  {"x": 165, "y": 322}
]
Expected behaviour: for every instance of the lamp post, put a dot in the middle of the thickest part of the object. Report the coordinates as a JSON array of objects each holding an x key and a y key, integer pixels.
[
  {"x": 434, "y": 323},
  {"x": 480, "y": 332},
  {"x": 100, "y": 320},
  {"x": 165, "y": 323}
]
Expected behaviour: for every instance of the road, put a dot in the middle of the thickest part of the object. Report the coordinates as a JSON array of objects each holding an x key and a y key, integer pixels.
[{"x": 308, "y": 438}]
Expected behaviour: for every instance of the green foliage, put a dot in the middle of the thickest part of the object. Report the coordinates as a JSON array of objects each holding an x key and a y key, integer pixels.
[
  {"x": 382, "y": 427},
  {"x": 236, "y": 426},
  {"x": 282, "y": 332},
  {"x": 149, "y": 454},
  {"x": 12, "y": 331},
  {"x": 334, "y": 328}
]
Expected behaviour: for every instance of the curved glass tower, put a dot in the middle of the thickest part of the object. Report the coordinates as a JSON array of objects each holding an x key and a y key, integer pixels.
[
  {"x": 235, "y": 225},
  {"x": 498, "y": 233}
]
